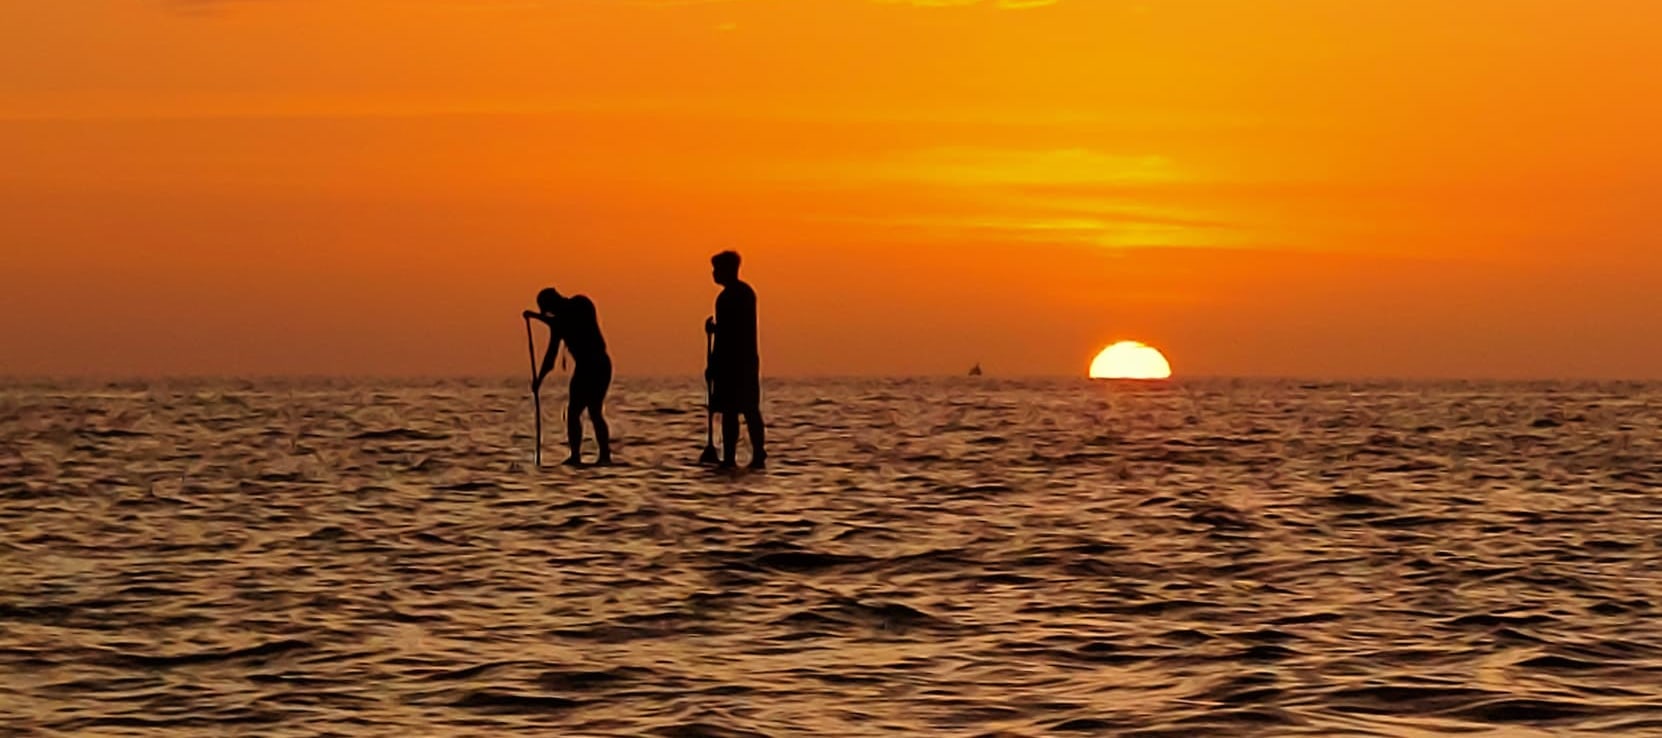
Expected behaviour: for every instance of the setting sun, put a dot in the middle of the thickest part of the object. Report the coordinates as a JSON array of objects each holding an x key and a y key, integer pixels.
[{"x": 1130, "y": 360}]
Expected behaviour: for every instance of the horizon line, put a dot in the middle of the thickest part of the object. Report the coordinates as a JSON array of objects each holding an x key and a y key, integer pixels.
[{"x": 410, "y": 378}]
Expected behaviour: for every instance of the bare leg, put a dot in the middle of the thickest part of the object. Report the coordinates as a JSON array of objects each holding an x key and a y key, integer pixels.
[
  {"x": 729, "y": 439},
  {"x": 602, "y": 432},
  {"x": 758, "y": 438},
  {"x": 574, "y": 430}
]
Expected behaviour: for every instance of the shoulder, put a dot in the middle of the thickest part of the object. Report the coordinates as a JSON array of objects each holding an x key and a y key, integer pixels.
[
  {"x": 736, "y": 296},
  {"x": 579, "y": 310}
]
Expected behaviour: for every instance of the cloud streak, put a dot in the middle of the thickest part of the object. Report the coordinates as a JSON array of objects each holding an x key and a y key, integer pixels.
[
  {"x": 200, "y": 6},
  {"x": 1006, "y": 4}
]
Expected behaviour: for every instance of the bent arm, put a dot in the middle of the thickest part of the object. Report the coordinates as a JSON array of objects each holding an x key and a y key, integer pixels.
[{"x": 548, "y": 358}]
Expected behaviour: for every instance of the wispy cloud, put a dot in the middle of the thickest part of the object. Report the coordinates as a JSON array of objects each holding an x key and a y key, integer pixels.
[
  {"x": 201, "y": 6},
  {"x": 968, "y": 194},
  {"x": 976, "y": 166},
  {"x": 1010, "y": 4},
  {"x": 1116, "y": 230},
  {"x": 205, "y": 6}
]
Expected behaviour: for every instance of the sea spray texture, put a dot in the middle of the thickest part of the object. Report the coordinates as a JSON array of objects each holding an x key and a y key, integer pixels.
[{"x": 926, "y": 557}]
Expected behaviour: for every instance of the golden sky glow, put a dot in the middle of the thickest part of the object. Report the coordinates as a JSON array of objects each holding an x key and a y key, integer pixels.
[{"x": 1274, "y": 187}]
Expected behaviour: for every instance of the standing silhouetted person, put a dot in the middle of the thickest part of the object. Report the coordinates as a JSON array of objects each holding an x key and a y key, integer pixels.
[
  {"x": 573, "y": 320},
  {"x": 735, "y": 362}
]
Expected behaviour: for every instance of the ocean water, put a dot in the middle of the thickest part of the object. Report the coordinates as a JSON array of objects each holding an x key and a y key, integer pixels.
[{"x": 925, "y": 558}]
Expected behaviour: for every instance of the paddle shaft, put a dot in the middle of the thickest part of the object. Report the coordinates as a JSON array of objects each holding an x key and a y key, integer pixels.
[
  {"x": 709, "y": 393},
  {"x": 536, "y": 397}
]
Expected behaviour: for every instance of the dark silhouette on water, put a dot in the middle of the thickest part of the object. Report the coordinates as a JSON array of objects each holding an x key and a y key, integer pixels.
[
  {"x": 734, "y": 371},
  {"x": 573, "y": 320},
  {"x": 975, "y": 371}
]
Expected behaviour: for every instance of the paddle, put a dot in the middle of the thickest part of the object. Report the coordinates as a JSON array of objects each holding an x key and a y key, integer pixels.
[
  {"x": 536, "y": 397},
  {"x": 709, "y": 456}
]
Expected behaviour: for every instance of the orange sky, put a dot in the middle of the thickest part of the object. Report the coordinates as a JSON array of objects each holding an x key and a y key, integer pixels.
[{"x": 1314, "y": 188}]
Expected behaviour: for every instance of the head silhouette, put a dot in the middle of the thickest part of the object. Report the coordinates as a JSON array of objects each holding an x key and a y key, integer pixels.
[
  {"x": 725, "y": 267},
  {"x": 550, "y": 300}
]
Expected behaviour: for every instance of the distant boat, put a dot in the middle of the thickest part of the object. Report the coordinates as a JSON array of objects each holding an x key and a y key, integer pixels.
[{"x": 975, "y": 371}]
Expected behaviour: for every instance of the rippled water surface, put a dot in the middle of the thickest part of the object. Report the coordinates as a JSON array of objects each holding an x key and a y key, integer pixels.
[{"x": 924, "y": 557}]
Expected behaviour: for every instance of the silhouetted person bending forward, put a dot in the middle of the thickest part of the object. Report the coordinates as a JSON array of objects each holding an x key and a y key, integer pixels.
[
  {"x": 735, "y": 362},
  {"x": 573, "y": 320}
]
